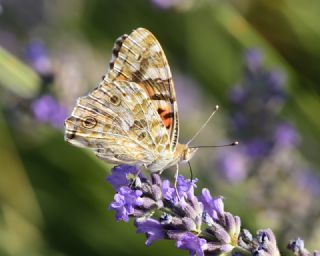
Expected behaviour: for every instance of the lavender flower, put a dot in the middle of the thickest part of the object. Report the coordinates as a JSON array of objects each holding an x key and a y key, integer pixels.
[
  {"x": 197, "y": 224},
  {"x": 193, "y": 244},
  {"x": 255, "y": 104},
  {"x": 120, "y": 176},
  {"x": 37, "y": 56},
  {"x": 268, "y": 149},
  {"x": 151, "y": 228},
  {"x": 298, "y": 249},
  {"x": 286, "y": 136},
  {"x": 47, "y": 110},
  {"x": 213, "y": 206},
  {"x": 125, "y": 201},
  {"x": 263, "y": 244}
]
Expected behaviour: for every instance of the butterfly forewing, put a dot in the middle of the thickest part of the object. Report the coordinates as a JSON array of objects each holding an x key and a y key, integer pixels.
[{"x": 140, "y": 58}]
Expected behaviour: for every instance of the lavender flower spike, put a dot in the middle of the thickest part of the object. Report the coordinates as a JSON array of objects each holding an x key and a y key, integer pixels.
[{"x": 199, "y": 225}]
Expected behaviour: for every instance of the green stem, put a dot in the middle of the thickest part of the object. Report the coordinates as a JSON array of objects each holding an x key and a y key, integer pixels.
[{"x": 241, "y": 251}]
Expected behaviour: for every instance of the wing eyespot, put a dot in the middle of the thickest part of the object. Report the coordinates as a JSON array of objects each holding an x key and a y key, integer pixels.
[
  {"x": 89, "y": 122},
  {"x": 115, "y": 100}
]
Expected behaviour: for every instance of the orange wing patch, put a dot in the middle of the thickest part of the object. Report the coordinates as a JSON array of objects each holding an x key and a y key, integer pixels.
[{"x": 166, "y": 116}]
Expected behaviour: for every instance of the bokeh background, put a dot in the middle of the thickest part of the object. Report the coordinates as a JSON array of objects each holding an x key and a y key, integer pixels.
[{"x": 258, "y": 60}]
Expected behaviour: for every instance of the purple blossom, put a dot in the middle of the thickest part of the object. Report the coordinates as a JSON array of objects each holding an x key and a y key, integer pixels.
[
  {"x": 254, "y": 105},
  {"x": 234, "y": 165},
  {"x": 164, "y": 4},
  {"x": 46, "y": 109},
  {"x": 213, "y": 206},
  {"x": 168, "y": 191},
  {"x": 276, "y": 80},
  {"x": 186, "y": 187},
  {"x": 152, "y": 228},
  {"x": 120, "y": 174},
  {"x": 286, "y": 136},
  {"x": 237, "y": 94},
  {"x": 193, "y": 244},
  {"x": 253, "y": 58},
  {"x": 124, "y": 202},
  {"x": 257, "y": 147},
  {"x": 296, "y": 245},
  {"x": 38, "y": 58}
]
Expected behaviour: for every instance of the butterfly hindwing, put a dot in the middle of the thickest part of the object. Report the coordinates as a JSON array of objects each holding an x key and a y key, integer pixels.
[{"x": 112, "y": 121}]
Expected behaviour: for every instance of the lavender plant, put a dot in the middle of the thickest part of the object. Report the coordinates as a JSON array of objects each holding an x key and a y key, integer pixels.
[
  {"x": 268, "y": 160},
  {"x": 198, "y": 224},
  {"x": 254, "y": 118}
]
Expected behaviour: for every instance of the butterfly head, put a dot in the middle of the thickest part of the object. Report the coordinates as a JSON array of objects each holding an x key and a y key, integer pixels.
[{"x": 185, "y": 152}]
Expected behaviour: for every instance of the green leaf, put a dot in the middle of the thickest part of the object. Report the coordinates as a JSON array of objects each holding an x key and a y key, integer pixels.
[{"x": 16, "y": 76}]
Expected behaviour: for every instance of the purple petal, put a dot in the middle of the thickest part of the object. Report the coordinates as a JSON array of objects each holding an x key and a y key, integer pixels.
[
  {"x": 213, "y": 206},
  {"x": 286, "y": 136},
  {"x": 168, "y": 191},
  {"x": 119, "y": 175},
  {"x": 124, "y": 202},
  {"x": 186, "y": 187},
  {"x": 151, "y": 228},
  {"x": 193, "y": 244}
]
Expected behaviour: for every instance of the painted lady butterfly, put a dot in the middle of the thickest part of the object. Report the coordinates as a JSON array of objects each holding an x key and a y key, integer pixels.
[{"x": 132, "y": 116}]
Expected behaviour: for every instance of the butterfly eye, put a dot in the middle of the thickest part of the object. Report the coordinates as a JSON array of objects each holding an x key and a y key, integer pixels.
[
  {"x": 115, "y": 100},
  {"x": 89, "y": 122}
]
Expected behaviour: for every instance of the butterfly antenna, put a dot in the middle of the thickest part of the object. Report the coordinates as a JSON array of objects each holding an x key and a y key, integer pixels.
[
  {"x": 204, "y": 125},
  {"x": 235, "y": 143}
]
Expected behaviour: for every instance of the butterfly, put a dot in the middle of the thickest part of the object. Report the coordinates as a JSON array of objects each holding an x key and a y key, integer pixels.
[{"x": 131, "y": 117}]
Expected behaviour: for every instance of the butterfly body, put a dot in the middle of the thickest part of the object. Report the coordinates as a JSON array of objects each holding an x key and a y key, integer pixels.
[{"x": 132, "y": 116}]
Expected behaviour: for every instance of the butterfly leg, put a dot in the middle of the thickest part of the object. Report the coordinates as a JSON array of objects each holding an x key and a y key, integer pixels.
[
  {"x": 176, "y": 181},
  {"x": 134, "y": 181}
]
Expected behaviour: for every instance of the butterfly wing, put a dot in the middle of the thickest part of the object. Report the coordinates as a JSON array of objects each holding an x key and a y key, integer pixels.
[
  {"x": 139, "y": 58},
  {"x": 112, "y": 121}
]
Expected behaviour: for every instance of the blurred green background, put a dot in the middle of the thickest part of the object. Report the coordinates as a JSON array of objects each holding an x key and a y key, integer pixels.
[{"x": 54, "y": 196}]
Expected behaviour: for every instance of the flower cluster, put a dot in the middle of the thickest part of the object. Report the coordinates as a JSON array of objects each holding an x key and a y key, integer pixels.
[
  {"x": 268, "y": 156},
  {"x": 198, "y": 224},
  {"x": 255, "y": 105}
]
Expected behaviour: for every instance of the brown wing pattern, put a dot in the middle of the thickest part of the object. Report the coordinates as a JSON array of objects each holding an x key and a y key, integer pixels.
[{"x": 139, "y": 58}]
